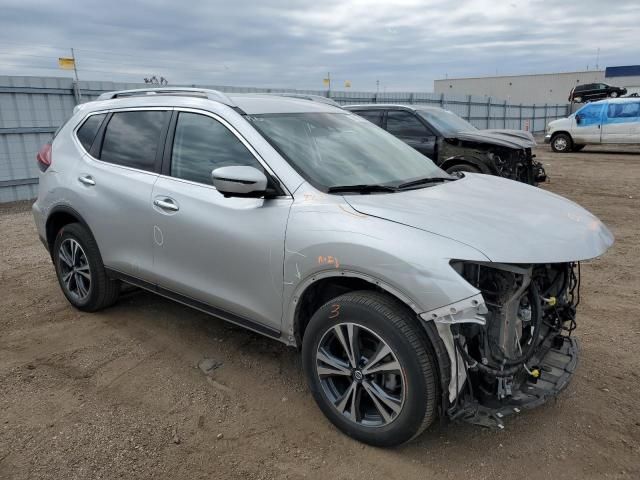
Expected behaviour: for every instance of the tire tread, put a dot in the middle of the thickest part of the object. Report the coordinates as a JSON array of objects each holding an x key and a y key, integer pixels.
[{"x": 403, "y": 319}]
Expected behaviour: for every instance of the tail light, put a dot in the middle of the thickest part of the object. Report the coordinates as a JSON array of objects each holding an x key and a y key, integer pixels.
[{"x": 44, "y": 157}]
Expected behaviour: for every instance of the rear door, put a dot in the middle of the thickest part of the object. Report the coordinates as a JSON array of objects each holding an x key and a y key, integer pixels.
[
  {"x": 621, "y": 123},
  {"x": 409, "y": 128},
  {"x": 223, "y": 255},
  {"x": 587, "y": 124},
  {"x": 116, "y": 178}
]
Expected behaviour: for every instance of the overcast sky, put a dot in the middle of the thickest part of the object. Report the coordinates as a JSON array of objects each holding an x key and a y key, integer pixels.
[{"x": 276, "y": 43}]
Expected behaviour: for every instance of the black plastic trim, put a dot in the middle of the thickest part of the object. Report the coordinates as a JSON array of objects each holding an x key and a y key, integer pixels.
[{"x": 196, "y": 304}]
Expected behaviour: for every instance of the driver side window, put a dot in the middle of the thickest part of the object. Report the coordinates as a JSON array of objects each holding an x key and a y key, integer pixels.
[
  {"x": 590, "y": 114},
  {"x": 202, "y": 144}
]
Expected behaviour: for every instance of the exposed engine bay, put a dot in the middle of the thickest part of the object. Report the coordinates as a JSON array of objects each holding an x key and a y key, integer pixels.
[
  {"x": 518, "y": 165},
  {"x": 517, "y": 350},
  {"x": 502, "y": 160}
]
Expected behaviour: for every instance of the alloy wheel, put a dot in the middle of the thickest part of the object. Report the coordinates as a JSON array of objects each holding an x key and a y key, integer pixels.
[
  {"x": 360, "y": 375},
  {"x": 75, "y": 272}
]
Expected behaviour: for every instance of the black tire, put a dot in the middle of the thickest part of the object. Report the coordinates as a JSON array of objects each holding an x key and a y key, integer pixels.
[
  {"x": 614, "y": 94},
  {"x": 578, "y": 99},
  {"x": 561, "y": 143},
  {"x": 577, "y": 148},
  {"x": 463, "y": 167},
  {"x": 100, "y": 291},
  {"x": 396, "y": 326}
]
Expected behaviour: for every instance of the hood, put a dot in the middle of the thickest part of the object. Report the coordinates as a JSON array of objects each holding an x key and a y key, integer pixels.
[
  {"x": 561, "y": 121},
  {"x": 507, "y": 221},
  {"x": 518, "y": 135},
  {"x": 494, "y": 138}
]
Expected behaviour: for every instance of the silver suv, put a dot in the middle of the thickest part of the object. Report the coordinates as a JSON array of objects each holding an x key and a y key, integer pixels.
[{"x": 412, "y": 293}]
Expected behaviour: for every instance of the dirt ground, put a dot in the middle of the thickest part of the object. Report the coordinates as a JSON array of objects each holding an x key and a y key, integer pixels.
[{"x": 119, "y": 394}]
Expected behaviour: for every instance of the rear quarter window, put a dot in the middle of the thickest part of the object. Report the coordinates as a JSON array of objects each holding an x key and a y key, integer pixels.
[{"x": 86, "y": 134}]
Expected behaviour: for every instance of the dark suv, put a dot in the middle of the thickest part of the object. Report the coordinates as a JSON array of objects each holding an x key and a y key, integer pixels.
[
  {"x": 455, "y": 145},
  {"x": 594, "y": 91}
]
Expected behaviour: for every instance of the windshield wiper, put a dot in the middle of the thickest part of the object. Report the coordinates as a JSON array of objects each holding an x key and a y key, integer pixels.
[
  {"x": 361, "y": 188},
  {"x": 425, "y": 181}
]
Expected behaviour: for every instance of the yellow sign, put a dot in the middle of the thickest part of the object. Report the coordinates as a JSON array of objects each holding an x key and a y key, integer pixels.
[
  {"x": 326, "y": 82},
  {"x": 347, "y": 84},
  {"x": 66, "y": 63}
]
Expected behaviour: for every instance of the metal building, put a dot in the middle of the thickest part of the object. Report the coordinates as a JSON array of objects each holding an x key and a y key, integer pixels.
[
  {"x": 538, "y": 89},
  {"x": 626, "y": 76}
]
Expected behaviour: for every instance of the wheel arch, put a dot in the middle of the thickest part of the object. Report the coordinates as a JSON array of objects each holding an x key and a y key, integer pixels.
[
  {"x": 321, "y": 287},
  {"x": 58, "y": 217},
  {"x": 558, "y": 132},
  {"x": 461, "y": 160}
]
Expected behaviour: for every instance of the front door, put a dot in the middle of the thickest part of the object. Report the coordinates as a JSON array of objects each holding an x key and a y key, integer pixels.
[
  {"x": 587, "y": 124},
  {"x": 226, "y": 253},
  {"x": 407, "y": 127},
  {"x": 621, "y": 123}
]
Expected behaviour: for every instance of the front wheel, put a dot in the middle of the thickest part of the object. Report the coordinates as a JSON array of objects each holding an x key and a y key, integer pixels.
[
  {"x": 463, "y": 167},
  {"x": 561, "y": 143},
  {"x": 370, "y": 369}
]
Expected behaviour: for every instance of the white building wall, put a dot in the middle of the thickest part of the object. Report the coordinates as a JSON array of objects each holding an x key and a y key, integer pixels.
[
  {"x": 552, "y": 88},
  {"x": 632, "y": 84}
]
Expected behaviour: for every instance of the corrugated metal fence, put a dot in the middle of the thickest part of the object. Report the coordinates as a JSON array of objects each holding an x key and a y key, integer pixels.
[{"x": 32, "y": 108}]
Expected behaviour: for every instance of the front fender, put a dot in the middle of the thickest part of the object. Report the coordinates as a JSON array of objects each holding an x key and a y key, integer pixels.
[
  {"x": 327, "y": 237},
  {"x": 481, "y": 165}
]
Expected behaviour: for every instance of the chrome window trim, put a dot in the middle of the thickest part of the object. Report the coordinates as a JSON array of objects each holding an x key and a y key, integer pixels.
[
  {"x": 239, "y": 136},
  {"x": 107, "y": 111},
  {"x": 215, "y": 116}
]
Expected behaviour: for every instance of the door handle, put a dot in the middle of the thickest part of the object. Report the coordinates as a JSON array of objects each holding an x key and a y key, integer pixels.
[
  {"x": 166, "y": 204},
  {"x": 87, "y": 180}
]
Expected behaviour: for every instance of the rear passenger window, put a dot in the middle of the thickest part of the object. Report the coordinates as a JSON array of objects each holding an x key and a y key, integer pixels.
[
  {"x": 131, "y": 139},
  {"x": 87, "y": 132},
  {"x": 202, "y": 144},
  {"x": 623, "y": 110},
  {"x": 374, "y": 116}
]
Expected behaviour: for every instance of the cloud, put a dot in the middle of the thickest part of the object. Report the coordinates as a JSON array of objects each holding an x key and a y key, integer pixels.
[{"x": 276, "y": 43}]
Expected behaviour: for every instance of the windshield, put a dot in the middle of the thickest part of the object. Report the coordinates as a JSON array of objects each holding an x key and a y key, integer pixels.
[
  {"x": 340, "y": 149},
  {"x": 446, "y": 122}
]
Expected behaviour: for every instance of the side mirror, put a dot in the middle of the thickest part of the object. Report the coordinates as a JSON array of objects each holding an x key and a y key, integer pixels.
[
  {"x": 578, "y": 119},
  {"x": 239, "y": 181}
]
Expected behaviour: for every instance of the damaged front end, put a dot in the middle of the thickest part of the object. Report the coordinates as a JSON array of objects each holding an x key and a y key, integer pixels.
[
  {"x": 518, "y": 165},
  {"x": 511, "y": 344}
]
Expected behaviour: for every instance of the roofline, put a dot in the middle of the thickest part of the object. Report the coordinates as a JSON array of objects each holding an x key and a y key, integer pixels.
[
  {"x": 301, "y": 96},
  {"x": 377, "y": 105},
  {"x": 520, "y": 75},
  {"x": 372, "y": 106},
  {"x": 206, "y": 92}
]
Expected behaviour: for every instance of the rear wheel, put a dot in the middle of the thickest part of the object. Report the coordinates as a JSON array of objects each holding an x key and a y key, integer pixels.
[
  {"x": 577, "y": 99},
  {"x": 561, "y": 143},
  {"x": 369, "y": 368},
  {"x": 80, "y": 270},
  {"x": 463, "y": 167},
  {"x": 613, "y": 94}
]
